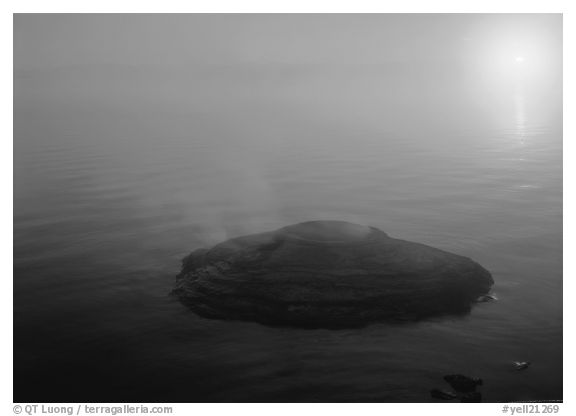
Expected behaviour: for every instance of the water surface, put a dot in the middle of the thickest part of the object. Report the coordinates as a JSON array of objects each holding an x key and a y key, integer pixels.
[{"x": 116, "y": 181}]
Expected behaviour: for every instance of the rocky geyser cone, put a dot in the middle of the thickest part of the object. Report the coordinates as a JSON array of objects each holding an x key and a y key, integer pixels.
[{"x": 329, "y": 274}]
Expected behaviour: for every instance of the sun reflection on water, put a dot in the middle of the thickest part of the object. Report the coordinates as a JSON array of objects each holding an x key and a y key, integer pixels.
[{"x": 520, "y": 121}]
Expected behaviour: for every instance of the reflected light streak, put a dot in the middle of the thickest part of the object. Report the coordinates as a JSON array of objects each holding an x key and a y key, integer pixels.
[{"x": 520, "y": 115}]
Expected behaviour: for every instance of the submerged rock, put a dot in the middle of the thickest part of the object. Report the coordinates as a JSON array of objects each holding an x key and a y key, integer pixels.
[
  {"x": 462, "y": 383},
  {"x": 472, "y": 397},
  {"x": 330, "y": 274},
  {"x": 442, "y": 394}
]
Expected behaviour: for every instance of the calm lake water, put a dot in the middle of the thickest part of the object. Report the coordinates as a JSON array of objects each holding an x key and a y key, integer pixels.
[{"x": 114, "y": 186}]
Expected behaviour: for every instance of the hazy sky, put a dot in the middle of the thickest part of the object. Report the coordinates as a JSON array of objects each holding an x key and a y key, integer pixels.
[
  {"x": 48, "y": 41},
  {"x": 360, "y": 66}
]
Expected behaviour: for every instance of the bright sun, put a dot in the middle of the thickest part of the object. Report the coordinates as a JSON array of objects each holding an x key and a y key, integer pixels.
[{"x": 519, "y": 59}]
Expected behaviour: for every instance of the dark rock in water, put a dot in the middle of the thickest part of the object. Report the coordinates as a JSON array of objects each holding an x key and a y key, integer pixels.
[
  {"x": 462, "y": 383},
  {"x": 521, "y": 365},
  {"x": 329, "y": 274},
  {"x": 442, "y": 394},
  {"x": 473, "y": 397}
]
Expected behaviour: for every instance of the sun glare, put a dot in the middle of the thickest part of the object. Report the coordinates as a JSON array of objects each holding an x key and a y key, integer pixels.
[{"x": 503, "y": 57}]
